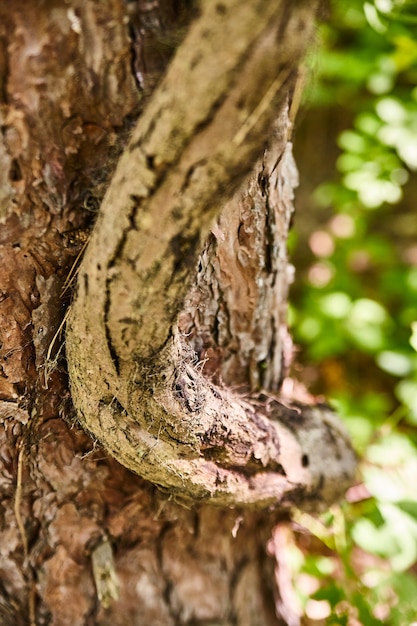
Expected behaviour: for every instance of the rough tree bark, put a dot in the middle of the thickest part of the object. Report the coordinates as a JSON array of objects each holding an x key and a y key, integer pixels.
[{"x": 176, "y": 336}]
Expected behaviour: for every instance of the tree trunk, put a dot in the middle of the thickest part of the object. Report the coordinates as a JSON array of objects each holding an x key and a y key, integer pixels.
[{"x": 159, "y": 511}]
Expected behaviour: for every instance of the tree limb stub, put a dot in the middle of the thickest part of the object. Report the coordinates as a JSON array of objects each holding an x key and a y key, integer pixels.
[{"x": 134, "y": 381}]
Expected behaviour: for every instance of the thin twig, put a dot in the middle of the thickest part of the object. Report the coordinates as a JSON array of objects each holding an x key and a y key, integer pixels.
[{"x": 21, "y": 527}]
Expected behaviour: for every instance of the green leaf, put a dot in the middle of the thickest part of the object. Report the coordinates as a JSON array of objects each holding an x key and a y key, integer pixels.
[
  {"x": 331, "y": 592},
  {"x": 395, "y": 363}
]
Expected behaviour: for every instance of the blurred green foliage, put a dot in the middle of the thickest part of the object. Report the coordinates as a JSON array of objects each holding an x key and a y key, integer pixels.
[{"x": 355, "y": 316}]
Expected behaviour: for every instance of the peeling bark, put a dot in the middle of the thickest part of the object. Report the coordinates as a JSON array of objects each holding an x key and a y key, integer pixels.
[{"x": 235, "y": 315}]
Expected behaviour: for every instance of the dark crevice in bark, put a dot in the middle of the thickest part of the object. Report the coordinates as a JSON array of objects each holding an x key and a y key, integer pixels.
[
  {"x": 252, "y": 467},
  {"x": 156, "y": 29},
  {"x": 111, "y": 263},
  {"x": 183, "y": 248}
]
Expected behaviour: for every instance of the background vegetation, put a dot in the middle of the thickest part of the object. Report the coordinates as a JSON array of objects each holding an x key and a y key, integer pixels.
[{"x": 354, "y": 312}]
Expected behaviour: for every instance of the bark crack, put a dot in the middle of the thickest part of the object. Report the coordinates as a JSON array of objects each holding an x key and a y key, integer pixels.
[{"x": 111, "y": 263}]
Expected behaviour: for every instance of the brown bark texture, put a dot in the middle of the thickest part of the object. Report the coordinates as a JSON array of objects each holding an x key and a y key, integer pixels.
[{"x": 152, "y": 140}]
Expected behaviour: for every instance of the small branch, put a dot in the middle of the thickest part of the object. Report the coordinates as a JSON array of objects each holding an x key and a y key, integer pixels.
[
  {"x": 18, "y": 500},
  {"x": 133, "y": 381}
]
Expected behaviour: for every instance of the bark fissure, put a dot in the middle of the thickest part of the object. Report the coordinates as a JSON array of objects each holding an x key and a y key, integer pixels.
[{"x": 111, "y": 263}]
